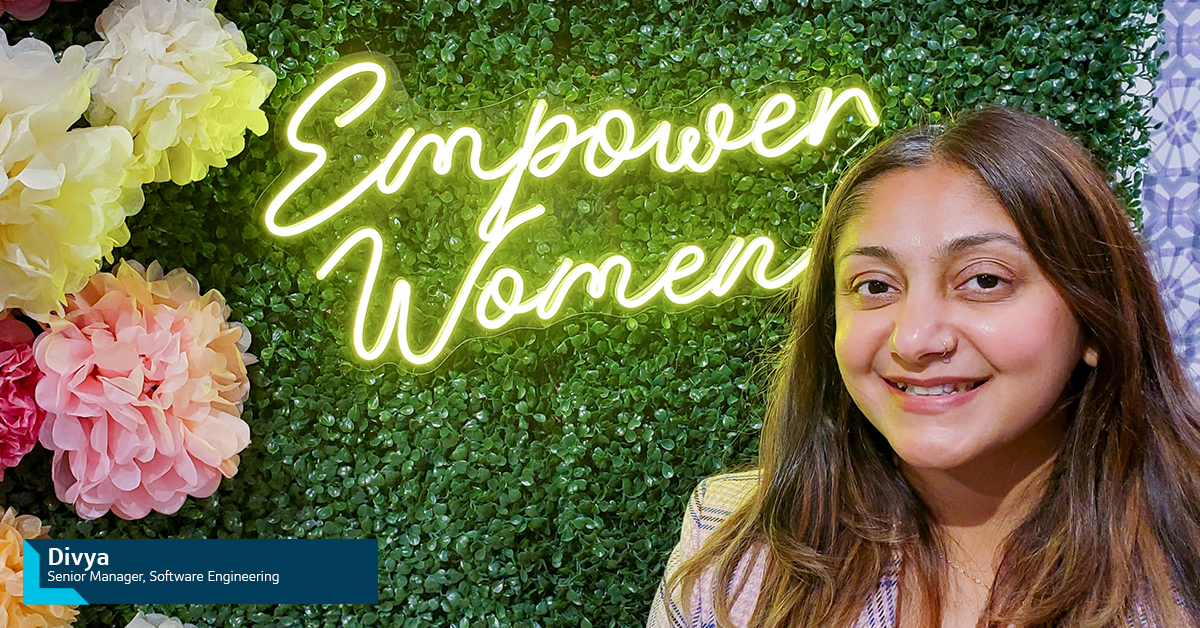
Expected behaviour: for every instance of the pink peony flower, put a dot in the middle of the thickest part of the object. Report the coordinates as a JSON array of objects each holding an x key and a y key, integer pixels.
[
  {"x": 20, "y": 416},
  {"x": 143, "y": 389},
  {"x": 26, "y": 9}
]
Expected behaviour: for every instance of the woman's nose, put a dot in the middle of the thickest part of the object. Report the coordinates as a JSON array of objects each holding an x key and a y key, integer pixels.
[{"x": 920, "y": 332}]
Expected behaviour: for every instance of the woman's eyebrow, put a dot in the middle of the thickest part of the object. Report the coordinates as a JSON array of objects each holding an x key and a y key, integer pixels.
[
  {"x": 881, "y": 253},
  {"x": 958, "y": 245}
]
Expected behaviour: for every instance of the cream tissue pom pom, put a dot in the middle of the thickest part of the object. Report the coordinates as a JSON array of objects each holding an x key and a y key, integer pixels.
[
  {"x": 155, "y": 620},
  {"x": 179, "y": 77},
  {"x": 64, "y": 194}
]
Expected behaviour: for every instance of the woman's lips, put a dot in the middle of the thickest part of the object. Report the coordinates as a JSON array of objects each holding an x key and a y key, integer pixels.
[
  {"x": 934, "y": 396},
  {"x": 936, "y": 388}
]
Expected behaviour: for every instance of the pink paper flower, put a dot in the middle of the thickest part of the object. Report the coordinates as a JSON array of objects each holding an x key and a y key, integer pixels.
[
  {"x": 20, "y": 416},
  {"x": 26, "y": 9},
  {"x": 143, "y": 389}
]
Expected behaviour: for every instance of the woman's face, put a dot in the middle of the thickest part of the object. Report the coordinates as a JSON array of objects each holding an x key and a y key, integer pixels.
[{"x": 950, "y": 339}]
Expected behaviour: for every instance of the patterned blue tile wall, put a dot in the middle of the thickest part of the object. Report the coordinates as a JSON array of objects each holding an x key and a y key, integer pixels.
[{"x": 1171, "y": 195}]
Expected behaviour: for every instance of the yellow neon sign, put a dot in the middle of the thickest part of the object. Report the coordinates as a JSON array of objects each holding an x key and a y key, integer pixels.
[{"x": 504, "y": 294}]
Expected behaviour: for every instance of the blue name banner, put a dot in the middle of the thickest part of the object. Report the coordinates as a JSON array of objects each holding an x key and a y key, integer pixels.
[{"x": 201, "y": 571}]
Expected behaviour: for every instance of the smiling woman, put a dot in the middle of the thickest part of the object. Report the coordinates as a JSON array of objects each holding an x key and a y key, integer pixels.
[
  {"x": 979, "y": 419},
  {"x": 950, "y": 339}
]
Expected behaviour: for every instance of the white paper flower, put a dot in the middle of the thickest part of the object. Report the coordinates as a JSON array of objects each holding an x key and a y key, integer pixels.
[
  {"x": 178, "y": 76},
  {"x": 64, "y": 194},
  {"x": 155, "y": 620}
]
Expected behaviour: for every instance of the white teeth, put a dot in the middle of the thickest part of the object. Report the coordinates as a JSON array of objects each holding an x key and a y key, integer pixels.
[{"x": 932, "y": 391}]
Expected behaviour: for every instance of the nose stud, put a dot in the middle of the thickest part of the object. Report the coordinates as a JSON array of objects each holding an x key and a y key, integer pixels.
[{"x": 945, "y": 352}]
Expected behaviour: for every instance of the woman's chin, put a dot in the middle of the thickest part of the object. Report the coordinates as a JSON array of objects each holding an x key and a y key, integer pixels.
[{"x": 936, "y": 456}]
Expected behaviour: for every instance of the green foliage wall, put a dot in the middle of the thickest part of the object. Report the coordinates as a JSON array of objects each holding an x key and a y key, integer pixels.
[{"x": 537, "y": 477}]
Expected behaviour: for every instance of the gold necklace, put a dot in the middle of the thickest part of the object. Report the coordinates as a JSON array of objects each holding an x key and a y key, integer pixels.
[{"x": 962, "y": 571}]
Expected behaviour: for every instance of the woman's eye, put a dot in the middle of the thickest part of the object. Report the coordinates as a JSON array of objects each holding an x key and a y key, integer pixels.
[
  {"x": 986, "y": 282},
  {"x": 873, "y": 286}
]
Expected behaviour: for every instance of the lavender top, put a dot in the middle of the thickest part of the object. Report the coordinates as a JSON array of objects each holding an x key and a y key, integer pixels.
[{"x": 713, "y": 501}]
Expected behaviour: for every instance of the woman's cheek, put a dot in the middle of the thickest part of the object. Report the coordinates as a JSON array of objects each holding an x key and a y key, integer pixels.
[{"x": 860, "y": 341}]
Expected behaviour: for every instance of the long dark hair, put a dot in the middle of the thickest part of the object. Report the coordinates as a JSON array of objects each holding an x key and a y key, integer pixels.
[{"x": 1118, "y": 526}]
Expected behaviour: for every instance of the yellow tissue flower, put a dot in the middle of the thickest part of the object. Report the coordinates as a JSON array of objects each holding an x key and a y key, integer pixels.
[
  {"x": 180, "y": 79},
  {"x": 64, "y": 193},
  {"x": 14, "y": 614}
]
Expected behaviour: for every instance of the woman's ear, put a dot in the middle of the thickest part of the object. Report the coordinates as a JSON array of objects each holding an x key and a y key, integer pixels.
[{"x": 1091, "y": 356}]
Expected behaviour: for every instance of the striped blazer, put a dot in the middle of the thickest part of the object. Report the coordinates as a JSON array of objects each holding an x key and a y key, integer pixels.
[{"x": 713, "y": 501}]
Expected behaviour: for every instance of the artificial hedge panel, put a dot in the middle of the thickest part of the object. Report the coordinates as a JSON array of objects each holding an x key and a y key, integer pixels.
[{"x": 536, "y": 477}]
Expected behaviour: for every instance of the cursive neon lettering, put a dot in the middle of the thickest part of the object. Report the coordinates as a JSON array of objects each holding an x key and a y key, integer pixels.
[{"x": 546, "y": 144}]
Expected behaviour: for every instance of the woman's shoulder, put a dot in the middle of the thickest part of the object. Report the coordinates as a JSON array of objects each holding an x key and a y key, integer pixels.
[
  {"x": 712, "y": 502},
  {"x": 717, "y": 497},
  {"x": 727, "y": 490}
]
